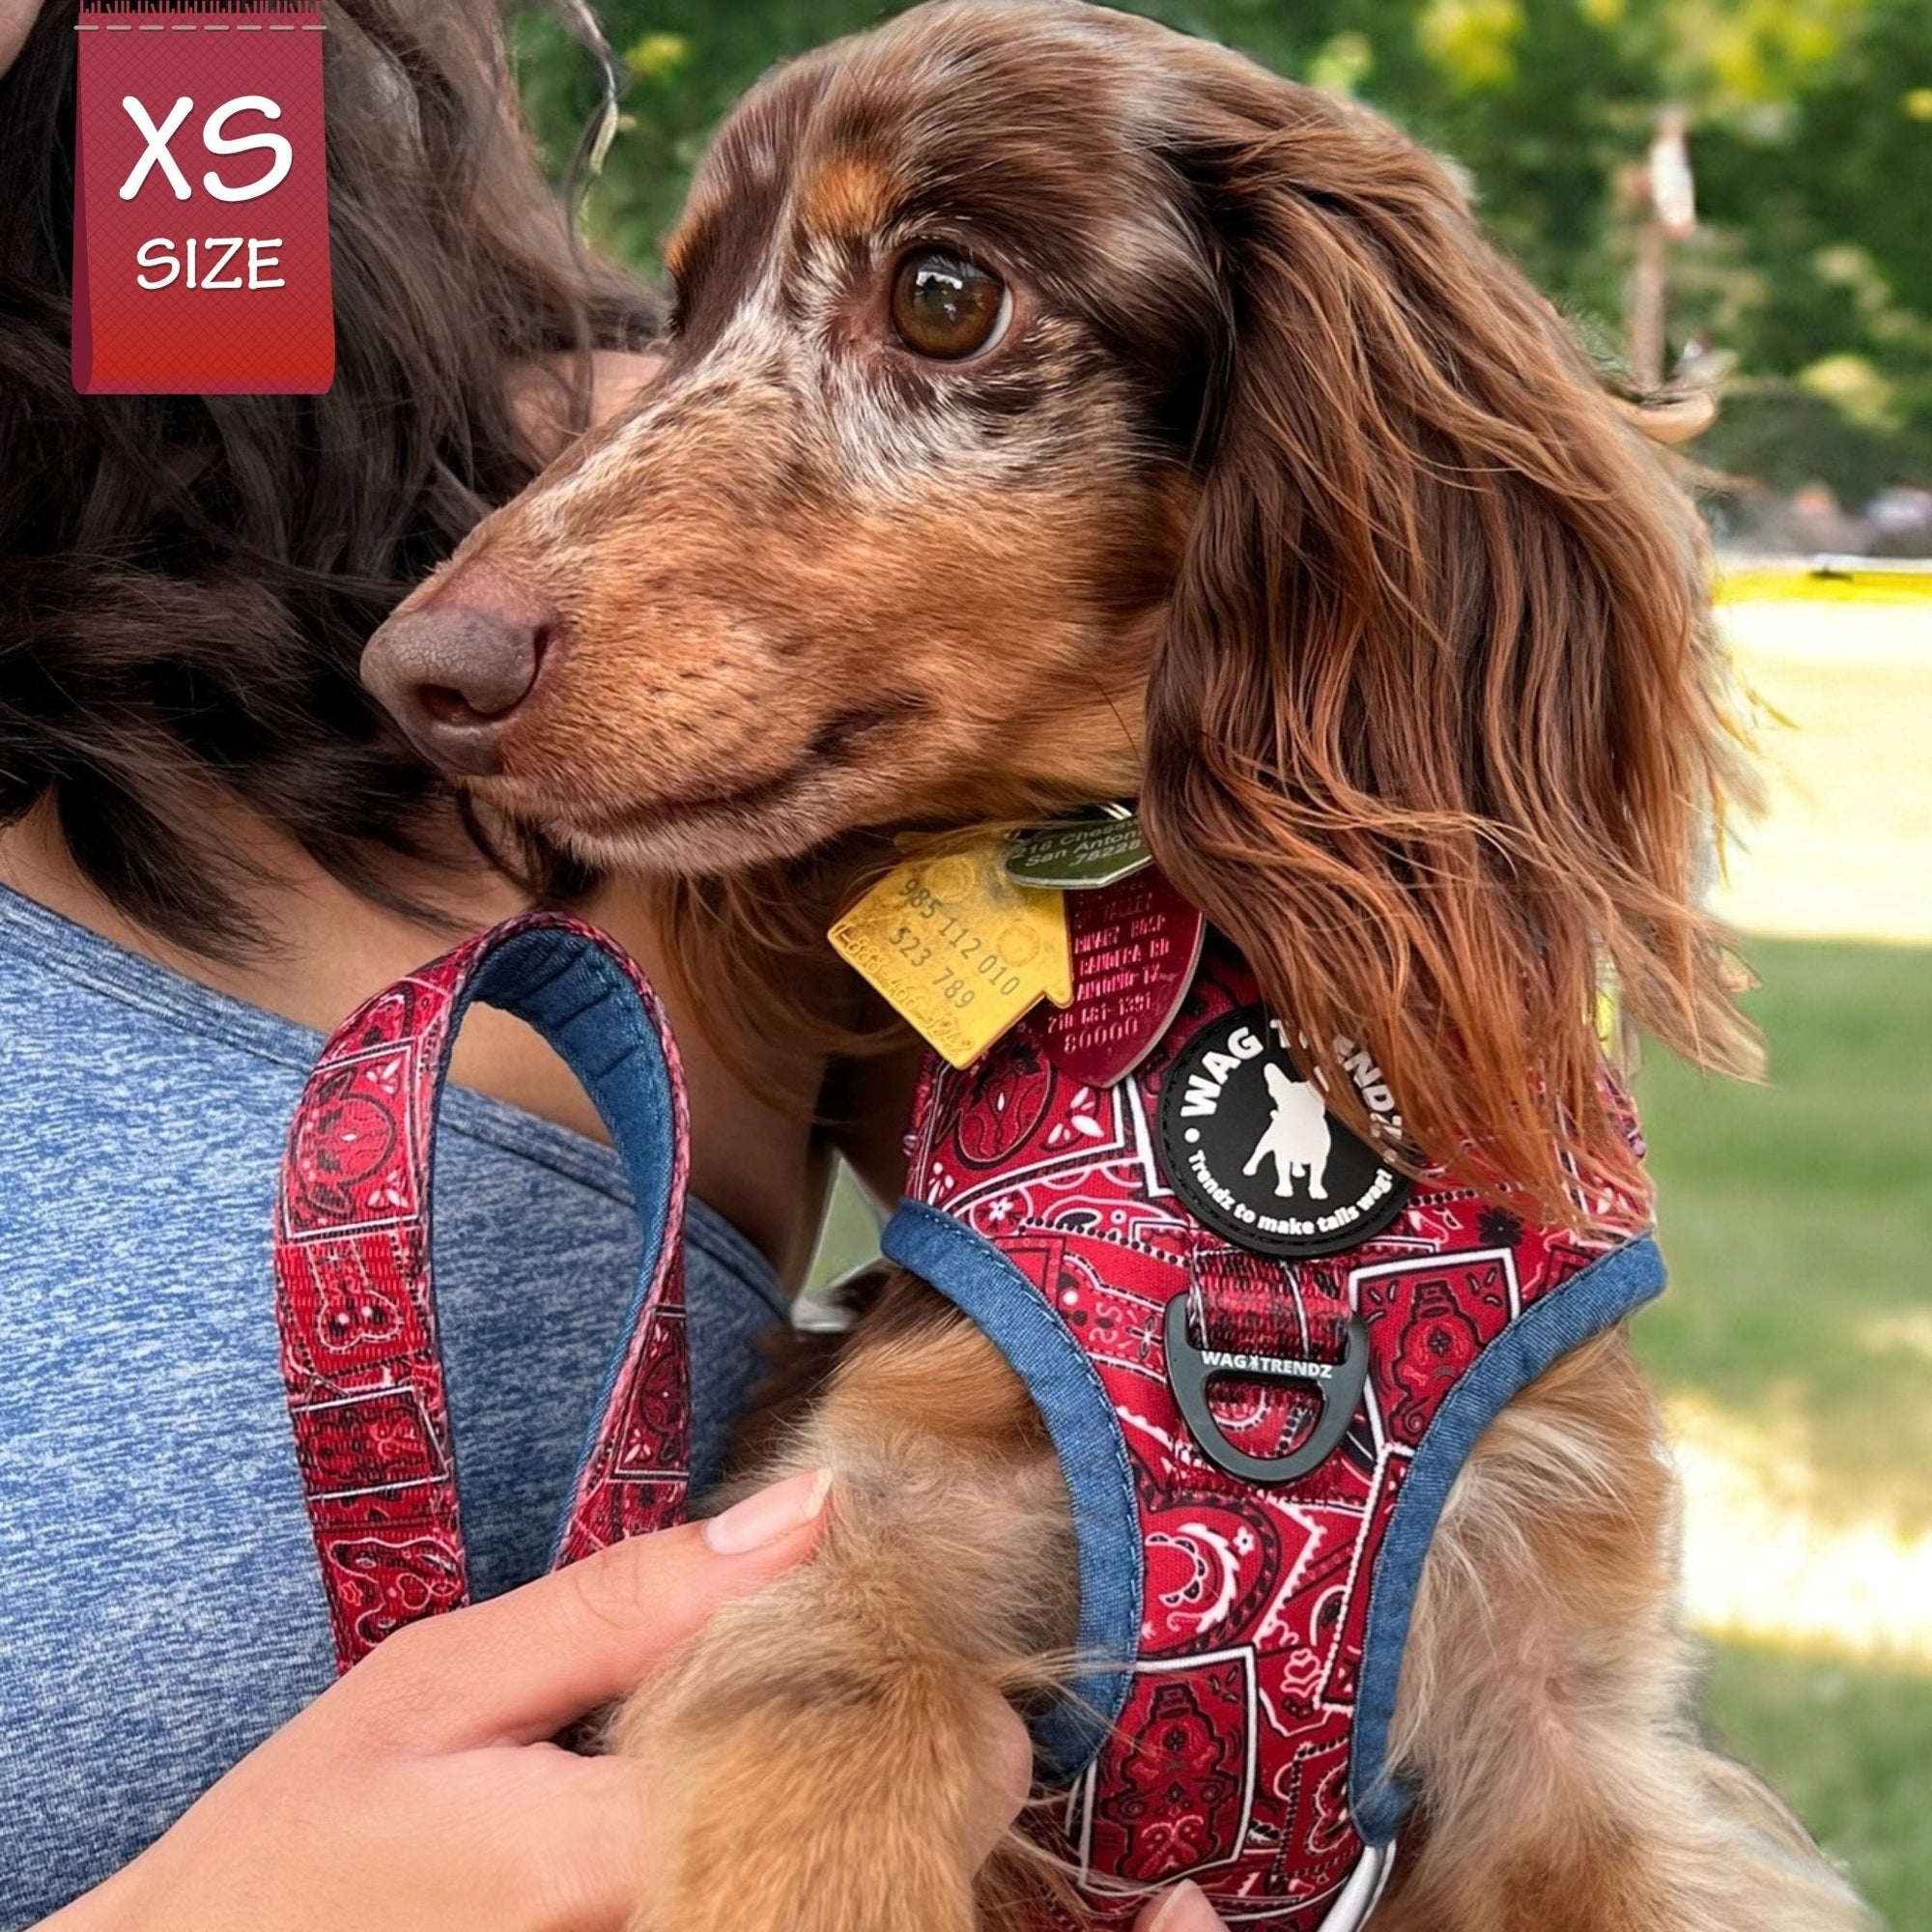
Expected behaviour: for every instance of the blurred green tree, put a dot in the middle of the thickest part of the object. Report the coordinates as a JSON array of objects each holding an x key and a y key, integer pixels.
[{"x": 1811, "y": 137}]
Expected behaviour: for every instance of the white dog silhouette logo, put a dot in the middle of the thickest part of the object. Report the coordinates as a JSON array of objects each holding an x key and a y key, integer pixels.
[
  {"x": 1297, "y": 1138},
  {"x": 1252, "y": 1151}
]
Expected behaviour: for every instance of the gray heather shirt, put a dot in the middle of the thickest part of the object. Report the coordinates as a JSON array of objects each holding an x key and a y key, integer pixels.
[{"x": 161, "y": 1611}]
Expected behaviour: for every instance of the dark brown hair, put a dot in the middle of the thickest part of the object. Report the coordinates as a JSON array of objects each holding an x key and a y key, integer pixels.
[{"x": 186, "y": 583}]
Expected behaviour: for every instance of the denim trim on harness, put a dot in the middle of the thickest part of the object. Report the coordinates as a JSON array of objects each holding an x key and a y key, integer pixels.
[
  {"x": 1584, "y": 1306},
  {"x": 579, "y": 999},
  {"x": 1007, "y": 1308}
]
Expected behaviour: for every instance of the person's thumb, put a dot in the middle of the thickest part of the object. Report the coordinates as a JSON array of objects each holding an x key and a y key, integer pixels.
[
  {"x": 1184, "y": 1909},
  {"x": 1006, "y": 1777},
  {"x": 524, "y": 1666}
]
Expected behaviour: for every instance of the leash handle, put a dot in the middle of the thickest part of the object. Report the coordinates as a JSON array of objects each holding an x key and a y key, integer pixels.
[{"x": 355, "y": 1289}]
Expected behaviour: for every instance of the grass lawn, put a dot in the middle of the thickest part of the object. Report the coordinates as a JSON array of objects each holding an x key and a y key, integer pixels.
[
  {"x": 1849, "y": 1748},
  {"x": 1797, "y": 1217},
  {"x": 1797, "y": 1221}
]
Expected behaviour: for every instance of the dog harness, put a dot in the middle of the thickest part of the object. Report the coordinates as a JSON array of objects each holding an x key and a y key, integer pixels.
[
  {"x": 1262, "y": 1354},
  {"x": 355, "y": 1292}
]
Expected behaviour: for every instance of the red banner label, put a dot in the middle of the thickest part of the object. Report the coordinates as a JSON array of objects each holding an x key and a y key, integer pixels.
[{"x": 201, "y": 201}]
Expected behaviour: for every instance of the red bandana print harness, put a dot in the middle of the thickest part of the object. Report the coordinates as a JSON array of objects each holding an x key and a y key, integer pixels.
[
  {"x": 1244, "y": 1631},
  {"x": 1246, "y": 1634},
  {"x": 355, "y": 1295}
]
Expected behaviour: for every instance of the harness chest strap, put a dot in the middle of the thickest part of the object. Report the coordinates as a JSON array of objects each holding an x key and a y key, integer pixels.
[
  {"x": 1258, "y": 1428},
  {"x": 355, "y": 1284}
]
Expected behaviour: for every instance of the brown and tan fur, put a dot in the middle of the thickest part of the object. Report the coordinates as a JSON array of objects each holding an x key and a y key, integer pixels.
[{"x": 1286, "y": 505}]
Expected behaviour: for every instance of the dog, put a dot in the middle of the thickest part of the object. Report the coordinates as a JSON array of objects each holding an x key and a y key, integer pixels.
[
  {"x": 1062, "y": 409},
  {"x": 1296, "y": 1138}
]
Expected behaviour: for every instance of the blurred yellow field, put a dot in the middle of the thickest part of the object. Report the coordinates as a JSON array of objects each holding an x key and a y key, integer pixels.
[{"x": 1843, "y": 692}]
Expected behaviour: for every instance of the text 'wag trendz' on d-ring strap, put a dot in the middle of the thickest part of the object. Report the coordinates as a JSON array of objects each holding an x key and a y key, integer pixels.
[{"x": 355, "y": 1285}]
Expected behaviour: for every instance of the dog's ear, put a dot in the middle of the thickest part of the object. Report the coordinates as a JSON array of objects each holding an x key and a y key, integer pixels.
[{"x": 1436, "y": 731}]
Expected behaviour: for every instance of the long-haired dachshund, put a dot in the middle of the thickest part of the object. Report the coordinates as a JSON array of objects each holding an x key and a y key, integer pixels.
[{"x": 1060, "y": 410}]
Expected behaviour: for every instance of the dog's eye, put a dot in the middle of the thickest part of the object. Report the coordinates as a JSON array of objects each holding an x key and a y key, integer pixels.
[{"x": 948, "y": 307}]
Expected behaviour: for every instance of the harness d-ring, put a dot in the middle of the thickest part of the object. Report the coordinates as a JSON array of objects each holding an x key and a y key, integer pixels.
[{"x": 1339, "y": 1383}]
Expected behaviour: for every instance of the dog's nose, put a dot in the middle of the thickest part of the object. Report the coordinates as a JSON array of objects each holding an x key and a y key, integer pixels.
[{"x": 453, "y": 671}]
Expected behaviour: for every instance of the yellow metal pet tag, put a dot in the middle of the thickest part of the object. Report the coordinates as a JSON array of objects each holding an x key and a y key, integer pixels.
[{"x": 957, "y": 948}]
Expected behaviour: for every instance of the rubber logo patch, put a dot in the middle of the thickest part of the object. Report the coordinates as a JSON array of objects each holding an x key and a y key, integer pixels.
[{"x": 1252, "y": 1149}]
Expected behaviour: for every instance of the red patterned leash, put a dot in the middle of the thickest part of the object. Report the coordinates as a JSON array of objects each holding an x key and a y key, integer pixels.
[{"x": 355, "y": 1289}]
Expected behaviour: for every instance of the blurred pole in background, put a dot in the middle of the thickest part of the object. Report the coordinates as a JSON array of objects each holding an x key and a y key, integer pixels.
[{"x": 1666, "y": 207}]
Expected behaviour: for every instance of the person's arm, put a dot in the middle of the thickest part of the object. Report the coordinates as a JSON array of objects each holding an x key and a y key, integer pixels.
[{"x": 422, "y": 1791}]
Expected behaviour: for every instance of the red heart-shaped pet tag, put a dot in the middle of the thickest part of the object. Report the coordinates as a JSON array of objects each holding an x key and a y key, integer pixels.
[{"x": 1135, "y": 945}]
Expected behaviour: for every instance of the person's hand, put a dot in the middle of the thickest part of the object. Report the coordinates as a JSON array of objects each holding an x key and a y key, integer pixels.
[
  {"x": 1184, "y": 1909},
  {"x": 421, "y": 1790}
]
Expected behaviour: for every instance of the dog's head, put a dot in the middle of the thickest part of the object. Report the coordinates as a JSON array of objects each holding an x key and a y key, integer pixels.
[
  {"x": 1061, "y": 409},
  {"x": 893, "y": 536}
]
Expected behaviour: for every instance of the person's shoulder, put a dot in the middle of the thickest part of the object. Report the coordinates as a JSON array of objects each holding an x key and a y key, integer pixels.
[{"x": 116, "y": 1072}]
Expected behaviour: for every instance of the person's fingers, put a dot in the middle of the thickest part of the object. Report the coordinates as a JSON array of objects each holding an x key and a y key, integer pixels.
[
  {"x": 555, "y": 1839},
  {"x": 524, "y": 1666},
  {"x": 1007, "y": 1761},
  {"x": 1184, "y": 1909}
]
